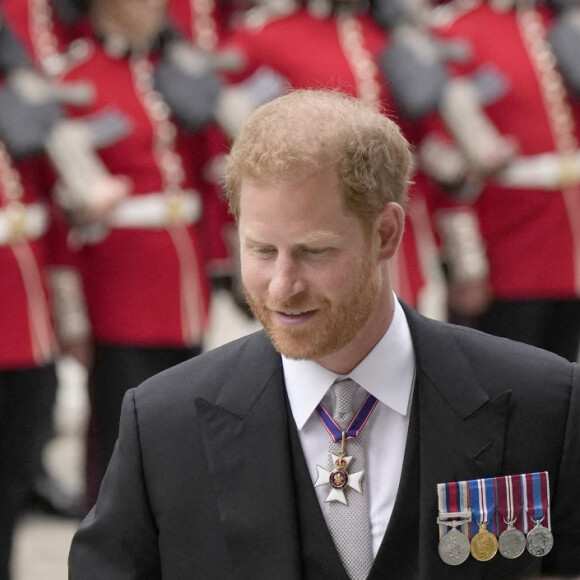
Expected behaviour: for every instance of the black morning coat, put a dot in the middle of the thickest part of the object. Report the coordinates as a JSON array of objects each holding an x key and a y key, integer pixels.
[{"x": 208, "y": 480}]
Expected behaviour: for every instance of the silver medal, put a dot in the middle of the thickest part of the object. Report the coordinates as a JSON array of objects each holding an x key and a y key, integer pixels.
[
  {"x": 454, "y": 547},
  {"x": 539, "y": 539},
  {"x": 512, "y": 542}
]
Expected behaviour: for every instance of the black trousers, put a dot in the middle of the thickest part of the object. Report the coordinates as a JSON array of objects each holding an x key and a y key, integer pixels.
[
  {"x": 27, "y": 398},
  {"x": 115, "y": 370},
  {"x": 553, "y": 325}
]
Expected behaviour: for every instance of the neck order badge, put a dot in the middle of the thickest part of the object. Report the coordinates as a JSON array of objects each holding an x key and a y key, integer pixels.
[
  {"x": 338, "y": 478},
  {"x": 348, "y": 522},
  {"x": 509, "y": 513}
]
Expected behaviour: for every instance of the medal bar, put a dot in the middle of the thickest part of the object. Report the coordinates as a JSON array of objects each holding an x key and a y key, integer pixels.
[{"x": 481, "y": 517}]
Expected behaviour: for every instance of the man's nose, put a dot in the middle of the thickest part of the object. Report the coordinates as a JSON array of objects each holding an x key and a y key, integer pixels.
[{"x": 287, "y": 279}]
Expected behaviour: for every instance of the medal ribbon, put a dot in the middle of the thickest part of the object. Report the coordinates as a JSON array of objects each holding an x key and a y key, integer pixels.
[
  {"x": 356, "y": 425},
  {"x": 482, "y": 495},
  {"x": 509, "y": 502},
  {"x": 453, "y": 498},
  {"x": 524, "y": 497},
  {"x": 537, "y": 498}
]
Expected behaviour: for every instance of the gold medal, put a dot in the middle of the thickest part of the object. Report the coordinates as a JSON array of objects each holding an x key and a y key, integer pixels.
[{"x": 483, "y": 544}]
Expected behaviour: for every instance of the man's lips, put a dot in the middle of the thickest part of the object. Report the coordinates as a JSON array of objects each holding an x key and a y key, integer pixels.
[{"x": 294, "y": 317}]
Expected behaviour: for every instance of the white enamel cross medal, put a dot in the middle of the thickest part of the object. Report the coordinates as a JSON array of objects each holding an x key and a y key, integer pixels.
[{"x": 339, "y": 478}]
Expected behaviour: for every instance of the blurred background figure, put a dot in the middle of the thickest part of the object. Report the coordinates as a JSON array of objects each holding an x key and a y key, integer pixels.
[
  {"x": 28, "y": 345},
  {"x": 142, "y": 263},
  {"x": 336, "y": 44},
  {"x": 33, "y": 122},
  {"x": 510, "y": 229}
]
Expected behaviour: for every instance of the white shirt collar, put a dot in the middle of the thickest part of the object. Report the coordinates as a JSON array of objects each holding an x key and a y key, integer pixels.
[{"x": 387, "y": 372}]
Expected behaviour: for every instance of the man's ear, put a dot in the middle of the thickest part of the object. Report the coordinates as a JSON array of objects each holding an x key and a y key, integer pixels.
[{"x": 391, "y": 225}]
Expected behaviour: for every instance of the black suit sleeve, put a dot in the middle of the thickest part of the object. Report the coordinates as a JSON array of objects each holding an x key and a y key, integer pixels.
[
  {"x": 565, "y": 510},
  {"x": 118, "y": 539}
]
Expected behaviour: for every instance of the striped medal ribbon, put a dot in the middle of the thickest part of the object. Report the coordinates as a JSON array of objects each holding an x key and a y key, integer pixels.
[{"x": 539, "y": 540}]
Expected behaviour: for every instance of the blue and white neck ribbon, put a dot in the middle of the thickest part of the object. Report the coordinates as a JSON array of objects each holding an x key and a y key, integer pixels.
[{"x": 357, "y": 424}]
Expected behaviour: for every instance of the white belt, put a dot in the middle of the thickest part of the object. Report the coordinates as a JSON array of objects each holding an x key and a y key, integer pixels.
[
  {"x": 545, "y": 171},
  {"x": 19, "y": 222},
  {"x": 156, "y": 210}
]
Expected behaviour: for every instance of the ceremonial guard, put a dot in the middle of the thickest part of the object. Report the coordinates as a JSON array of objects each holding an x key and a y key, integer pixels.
[
  {"x": 28, "y": 345},
  {"x": 511, "y": 236},
  {"x": 49, "y": 38},
  {"x": 327, "y": 44},
  {"x": 143, "y": 264}
]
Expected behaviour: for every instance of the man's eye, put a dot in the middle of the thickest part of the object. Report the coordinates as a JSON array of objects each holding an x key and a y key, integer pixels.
[
  {"x": 265, "y": 251},
  {"x": 315, "y": 250}
]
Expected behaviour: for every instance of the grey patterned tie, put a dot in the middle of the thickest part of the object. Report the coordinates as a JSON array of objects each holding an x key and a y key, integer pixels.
[{"x": 350, "y": 524}]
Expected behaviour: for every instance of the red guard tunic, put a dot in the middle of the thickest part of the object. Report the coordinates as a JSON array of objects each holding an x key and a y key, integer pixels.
[
  {"x": 143, "y": 273},
  {"x": 339, "y": 53},
  {"x": 529, "y": 215},
  {"x": 26, "y": 336}
]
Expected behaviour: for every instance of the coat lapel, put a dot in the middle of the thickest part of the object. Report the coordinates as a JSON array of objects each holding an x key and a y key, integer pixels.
[
  {"x": 245, "y": 438},
  {"x": 462, "y": 428},
  {"x": 460, "y": 435}
]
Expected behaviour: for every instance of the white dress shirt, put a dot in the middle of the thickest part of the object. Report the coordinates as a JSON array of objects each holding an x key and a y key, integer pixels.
[{"x": 387, "y": 372}]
